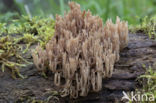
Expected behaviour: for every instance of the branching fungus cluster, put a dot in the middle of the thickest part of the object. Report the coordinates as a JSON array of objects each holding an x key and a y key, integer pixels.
[{"x": 82, "y": 51}]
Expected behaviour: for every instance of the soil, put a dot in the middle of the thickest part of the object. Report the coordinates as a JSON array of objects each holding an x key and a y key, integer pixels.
[{"x": 36, "y": 88}]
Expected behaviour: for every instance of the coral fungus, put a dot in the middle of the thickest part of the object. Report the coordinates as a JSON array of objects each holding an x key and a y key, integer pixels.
[{"x": 82, "y": 51}]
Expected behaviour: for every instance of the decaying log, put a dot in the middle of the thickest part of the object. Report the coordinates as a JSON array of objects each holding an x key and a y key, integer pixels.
[{"x": 140, "y": 50}]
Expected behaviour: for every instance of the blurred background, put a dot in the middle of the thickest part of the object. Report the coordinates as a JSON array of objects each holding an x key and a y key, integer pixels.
[{"x": 130, "y": 10}]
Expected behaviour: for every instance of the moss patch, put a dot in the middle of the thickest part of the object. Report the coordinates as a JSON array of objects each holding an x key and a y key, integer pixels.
[
  {"x": 147, "y": 26},
  {"x": 19, "y": 32},
  {"x": 10, "y": 57},
  {"x": 148, "y": 81}
]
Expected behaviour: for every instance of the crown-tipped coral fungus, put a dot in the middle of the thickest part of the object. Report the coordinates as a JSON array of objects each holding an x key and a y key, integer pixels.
[{"x": 82, "y": 51}]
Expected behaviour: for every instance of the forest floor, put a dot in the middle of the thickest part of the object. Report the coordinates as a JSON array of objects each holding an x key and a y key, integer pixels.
[{"x": 38, "y": 89}]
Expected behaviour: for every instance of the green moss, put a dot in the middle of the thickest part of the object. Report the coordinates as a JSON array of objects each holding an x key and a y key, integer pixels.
[
  {"x": 9, "y": 56},
  {"x": 147, "y": 26},
  {"x": 25, "y": 31},
  {"x": 148, "y": 81},
  {"x": 41, "y": 28}
]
